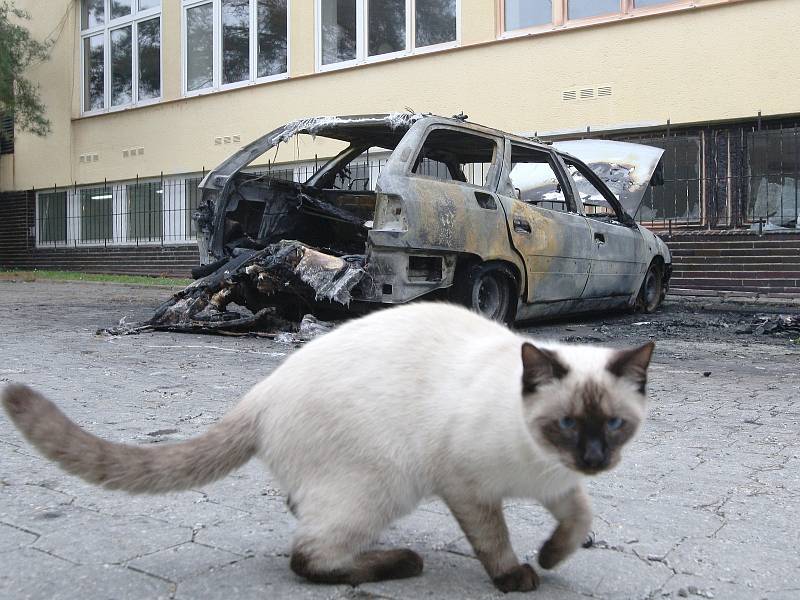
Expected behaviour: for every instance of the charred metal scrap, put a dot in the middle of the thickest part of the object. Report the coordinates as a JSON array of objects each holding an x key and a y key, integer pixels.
[{"x": 286, "y": 273}]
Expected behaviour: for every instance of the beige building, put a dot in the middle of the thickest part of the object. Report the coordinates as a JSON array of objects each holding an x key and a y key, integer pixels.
[{"x": 144, "y": 95}]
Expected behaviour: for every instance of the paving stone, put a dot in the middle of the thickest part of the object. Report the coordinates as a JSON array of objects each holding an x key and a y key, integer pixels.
[
  {"x": 93, "y": 538},
  {"x": 181, "y": 562},
  {"x": 244, "y": 534},
  {"x": 448, "y": 575},
  {"x": 13, "y": 538},
  {"x": 255, "y": 578},
  {"x": 39, "y": 576}
]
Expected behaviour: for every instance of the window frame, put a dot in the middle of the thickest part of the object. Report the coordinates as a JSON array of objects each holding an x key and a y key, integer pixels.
[
  {"x": 105, "y": 29},
  {"x": 493, "y": 174},
  {"x": 589, "y": 175},
  {"x": 362, "y": 38},
  {"x": 216, "y": 54},
  {"x": 571, "y": 203},
  {"x": 627, "y": 9}
]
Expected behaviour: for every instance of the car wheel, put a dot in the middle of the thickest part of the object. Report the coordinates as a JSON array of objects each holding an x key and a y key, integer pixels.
[
  {"x": 650, "y": 295},
  {"x": 486, "y": 289}
]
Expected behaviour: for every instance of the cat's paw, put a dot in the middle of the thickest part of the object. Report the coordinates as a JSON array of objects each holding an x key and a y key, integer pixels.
[
  {"x": 521, "y": 578},
  {"x": 551, "y": 553}
]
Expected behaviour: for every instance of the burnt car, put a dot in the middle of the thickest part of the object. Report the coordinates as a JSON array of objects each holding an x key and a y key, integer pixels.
[{"x": 510, "y": 226}]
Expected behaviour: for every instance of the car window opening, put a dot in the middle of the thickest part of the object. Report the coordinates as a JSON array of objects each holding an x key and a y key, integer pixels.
[
  {"x": 451, "y": 155},
  {"x": 535, "y": 181},
  {"x": 331, "y": 210}
]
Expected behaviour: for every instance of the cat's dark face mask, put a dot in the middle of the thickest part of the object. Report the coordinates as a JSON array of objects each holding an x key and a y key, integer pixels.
[
  {"x": 592, "y": 418},
  {"x": 589, "y": 442}
]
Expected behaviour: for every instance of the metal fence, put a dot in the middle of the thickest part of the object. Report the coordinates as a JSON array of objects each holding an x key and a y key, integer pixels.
[
  {"x": 154, "y": 211},
  {"x": 725, "y": 178},
  {"x": 130, "y": 213},
  {"x": 732, "y": 177}
]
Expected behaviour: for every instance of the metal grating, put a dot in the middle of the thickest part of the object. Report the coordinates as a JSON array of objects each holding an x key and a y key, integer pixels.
[{"x": 6, "y": 134}]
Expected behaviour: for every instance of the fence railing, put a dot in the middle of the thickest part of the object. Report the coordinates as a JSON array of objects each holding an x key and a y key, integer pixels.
[
  {"x": 130, "y": 213},
  {"x": 729, "y": 178},
  {"x": 710, "y": 179}
]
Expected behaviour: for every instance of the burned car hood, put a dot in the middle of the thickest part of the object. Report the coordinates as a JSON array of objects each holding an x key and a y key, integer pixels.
[{"x": 627, "y": 169}]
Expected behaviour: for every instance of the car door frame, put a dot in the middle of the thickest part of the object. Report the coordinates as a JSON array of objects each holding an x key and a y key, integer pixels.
[
  {"x": 610, "y": 240},
  {"x": 425, "y": 215},
  {"x": 557, "y": 265}
]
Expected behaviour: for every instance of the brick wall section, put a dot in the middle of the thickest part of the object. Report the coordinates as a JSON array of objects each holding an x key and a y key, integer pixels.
[
  {"x": 18, "y": 248},
  {"x": 736, "y": 261}
]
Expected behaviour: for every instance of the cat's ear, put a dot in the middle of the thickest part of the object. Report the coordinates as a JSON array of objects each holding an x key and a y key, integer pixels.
[
  {"x": 632, "y": 364},
  {"x": 539, "y": 366}
]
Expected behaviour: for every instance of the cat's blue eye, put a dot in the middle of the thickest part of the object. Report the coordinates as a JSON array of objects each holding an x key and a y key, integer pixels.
[
  {"x": 566, "y": 422},
  {"x": 614, "y": 424}
]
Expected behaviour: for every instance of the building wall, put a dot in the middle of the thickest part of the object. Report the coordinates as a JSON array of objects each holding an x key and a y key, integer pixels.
[{"x": 710, "y": 61}]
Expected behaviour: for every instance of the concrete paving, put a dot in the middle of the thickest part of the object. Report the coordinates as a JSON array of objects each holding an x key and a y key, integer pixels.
[{"x": 704, "y": 505}]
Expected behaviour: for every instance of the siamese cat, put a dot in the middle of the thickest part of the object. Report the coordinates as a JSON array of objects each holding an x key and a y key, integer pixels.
[{"x": 364, "y": 422}]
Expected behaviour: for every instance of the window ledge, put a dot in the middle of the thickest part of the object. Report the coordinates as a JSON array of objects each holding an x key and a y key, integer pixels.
[{"x": 384, "y": 58}]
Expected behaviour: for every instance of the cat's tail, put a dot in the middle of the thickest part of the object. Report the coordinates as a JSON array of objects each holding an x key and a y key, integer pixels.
[{"x": 149, "y": 469}]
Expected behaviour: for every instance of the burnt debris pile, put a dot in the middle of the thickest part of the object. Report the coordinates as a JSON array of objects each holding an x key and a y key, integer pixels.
[
  {"x": 259, "y": 292},
  {"x": 780, "y": 325}
]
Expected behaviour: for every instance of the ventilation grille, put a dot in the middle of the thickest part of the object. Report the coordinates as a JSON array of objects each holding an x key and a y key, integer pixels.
[
  {"x": 6, "y": 134},
  {"x": 586, "y": 93}
]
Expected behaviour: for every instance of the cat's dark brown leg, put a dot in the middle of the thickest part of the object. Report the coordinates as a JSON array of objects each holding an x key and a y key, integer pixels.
[
  {"x": 332, "y": 545},
  {"x": 574, "y": 515},
  {"x": 486, "y": 530},
  {"x": 373, "y": 565}
]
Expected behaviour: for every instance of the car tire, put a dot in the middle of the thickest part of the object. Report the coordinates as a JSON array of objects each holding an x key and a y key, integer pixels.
[
  {"x": 652, "y": 292},
  {"x": 488, "y": 290}
]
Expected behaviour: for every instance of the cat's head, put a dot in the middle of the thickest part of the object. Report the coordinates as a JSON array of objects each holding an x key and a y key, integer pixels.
[{"x": 584, "y": 403}]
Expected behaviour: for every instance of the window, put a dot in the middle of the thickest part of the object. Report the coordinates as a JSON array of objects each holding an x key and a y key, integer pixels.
[
  {"x": 356, "y": 31},
  {"x": 199, "y": 47},
  {"x": 386, "y": 26},
  {"x": 435, "y": 22},
  {"x": 773, "y": 184},
  {"x": 595, "y": 203},
  {"x": 234, "y": 42},
  {"x": 120, "y": 53},
  {"x": 192, "y": 195},
  {"x": 271, "y": 38},
  {"x": 582, "y": 9},
  {"x": 452, "y": 155},
  {"x": 145, "y": 211},
  {"x": 521, "y": 14},
  {"x": 51, "y": 217},
  {"x": 679, "y": 198},
  {"x": 96, "y": 214},
  {"x": 534, "y": 179},
  {"x": 338, "y": 31}
]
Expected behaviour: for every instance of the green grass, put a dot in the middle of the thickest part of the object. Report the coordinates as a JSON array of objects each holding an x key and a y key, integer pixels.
[{"x": 77, "y": 276}]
